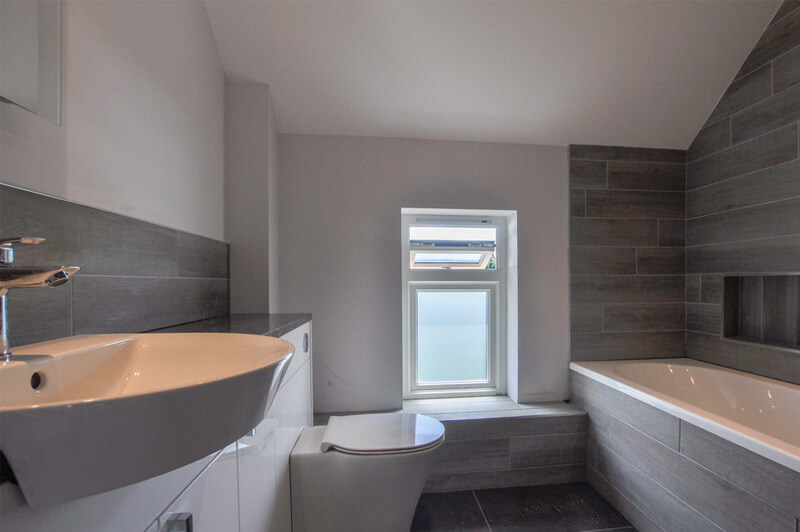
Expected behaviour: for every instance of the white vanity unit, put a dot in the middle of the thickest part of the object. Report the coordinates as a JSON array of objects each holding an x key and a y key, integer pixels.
[{"x": 243, "y": 487}]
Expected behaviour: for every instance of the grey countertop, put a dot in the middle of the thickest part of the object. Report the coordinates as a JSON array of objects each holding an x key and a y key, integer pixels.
[{"x": 265, "y": 324}]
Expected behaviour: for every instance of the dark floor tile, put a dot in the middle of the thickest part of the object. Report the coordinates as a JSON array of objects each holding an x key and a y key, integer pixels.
[
  {"x": 557, "y": 508},
  {"x": 452, "y": 511}
]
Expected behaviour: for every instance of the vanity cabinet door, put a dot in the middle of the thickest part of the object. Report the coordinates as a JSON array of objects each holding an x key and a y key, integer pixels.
[{"x": 211, "y": 498}]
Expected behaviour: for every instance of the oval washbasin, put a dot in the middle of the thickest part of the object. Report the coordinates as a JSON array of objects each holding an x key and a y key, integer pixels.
[{"x": 88, "y": 414}]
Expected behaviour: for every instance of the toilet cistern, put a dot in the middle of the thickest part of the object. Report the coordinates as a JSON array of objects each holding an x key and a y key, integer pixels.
[{"x": 24, "y": 277}]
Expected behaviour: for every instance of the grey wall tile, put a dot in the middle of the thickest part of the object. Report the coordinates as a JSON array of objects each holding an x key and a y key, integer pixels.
[
  {"x": 751, "y": 314},
  {"x": 742, "y": 93},
  {"x": 704, "y": 317},
  {"x": 753, "y": 473},
  {"x": 505, "y": 427},
  {"x": 529, "y": 476},
  {"x": 711, "y": 289},
  {"x": 768, "y": 150},
  {"x": 199, "y": 256},
  {"x": 597, "y": 428},
  {"x": 656, "y": 423},
  {"x": 577, "y": 202},
  {"x": 626, "y": 507},
  {"x": 39, "y": 314},
  {"x": 587, "y": 174},
  {"x": 628, "y": 317},
  {"x": 770, "y": 184},
  {"x": 597, "y": 232},
  {"x": 627, "y": 345},
  {"x": 693, "y": 288},
  {"x": 548, "y": 449},
  {"x": 776, "y": 111},
  {"x": 632, "y": 175},
  {"x": 471, "y": 455},
  {"x": 780, "y": 254},
  {"x": 618, "y": 153},
  {"x": 781, "y": 36},
  {"x": 602, "y": 260},
  {"x": 751, "y": 357},
  {"x": 660, "y": 261},
  {"x": 786, "y": 70},
  {"x": 711, "y": 139},
  {"x": 730, "y": 507},
  {"x": 126, "y": 304},
  {"x": 780, "y": 309},
  {"x": 671, "y": 233},
  {"x": 764, "y": 221},
  {"x": 786, "y": 7},
  {"x": 627, "y": 289},
  {"x": 663, "y": 508},
  {"x": 586, "y": 318},
  {"x": 634, "y": 204}
]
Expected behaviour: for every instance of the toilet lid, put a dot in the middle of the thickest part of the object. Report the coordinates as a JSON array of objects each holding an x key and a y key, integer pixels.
[{"x": 381, "y": 433}]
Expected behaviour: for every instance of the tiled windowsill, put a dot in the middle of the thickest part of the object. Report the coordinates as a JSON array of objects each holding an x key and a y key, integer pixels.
[{"x": 485, "y": 408}]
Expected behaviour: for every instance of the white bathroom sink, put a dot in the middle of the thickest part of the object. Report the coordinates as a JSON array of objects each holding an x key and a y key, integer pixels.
[{"x": 99, "y": 412}]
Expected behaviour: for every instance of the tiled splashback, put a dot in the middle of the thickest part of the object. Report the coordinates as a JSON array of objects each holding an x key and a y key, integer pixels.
[
  {"x": 626, "y": 252},
  {"x": 743, "y": 199},
  {"x": 135, "y": 276}
]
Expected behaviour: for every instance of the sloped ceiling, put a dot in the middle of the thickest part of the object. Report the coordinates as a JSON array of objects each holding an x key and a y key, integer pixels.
[{"x": 620, "y": 72}]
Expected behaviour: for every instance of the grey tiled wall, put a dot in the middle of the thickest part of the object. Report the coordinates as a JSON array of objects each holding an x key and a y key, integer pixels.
[
  {"x": 627, "y": 259},
  {"x": 663, "y": 473},
  {"x": 135, "y": 276},
  {"x": 743, "y": 196}
]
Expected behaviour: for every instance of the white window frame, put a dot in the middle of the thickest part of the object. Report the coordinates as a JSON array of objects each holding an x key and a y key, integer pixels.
[{"x": 415, "y": 279}]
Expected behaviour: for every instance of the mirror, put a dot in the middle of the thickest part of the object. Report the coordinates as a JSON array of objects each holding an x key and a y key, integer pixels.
[{"x": 30, "y": 56}]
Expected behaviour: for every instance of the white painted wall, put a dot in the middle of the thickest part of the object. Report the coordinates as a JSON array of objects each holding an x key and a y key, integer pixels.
[
  {"x": 251, "y": 206},
  {"x": 142, "y": 122},
  {"x": 340, "y": 201}
]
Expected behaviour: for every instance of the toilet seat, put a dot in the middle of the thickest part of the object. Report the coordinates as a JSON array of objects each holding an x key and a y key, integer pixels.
[{"x": 391, "y": 433}]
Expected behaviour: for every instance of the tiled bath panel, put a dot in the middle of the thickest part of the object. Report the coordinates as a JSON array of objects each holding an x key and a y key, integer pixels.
[
  {"x": 666, "y": 474},
  {"x": 135, "y": 276},
  {"x": 555, "y": 508}
]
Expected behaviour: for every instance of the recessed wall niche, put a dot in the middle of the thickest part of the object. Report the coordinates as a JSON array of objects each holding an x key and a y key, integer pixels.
[{"x": 763, "y": 308}]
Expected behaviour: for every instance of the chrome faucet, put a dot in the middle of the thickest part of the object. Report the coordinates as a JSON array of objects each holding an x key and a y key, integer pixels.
[{"x": 23, "y": 277}]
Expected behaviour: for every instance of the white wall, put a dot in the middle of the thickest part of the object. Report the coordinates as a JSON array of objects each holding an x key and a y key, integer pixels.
[
  {"x": 251, "y": 206},
  {"x": 340, "y": 201},
  {"x": 142, "y": 117}
]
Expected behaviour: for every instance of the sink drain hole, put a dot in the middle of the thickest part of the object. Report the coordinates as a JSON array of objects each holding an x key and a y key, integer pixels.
[{"x": 37, "y": 380}]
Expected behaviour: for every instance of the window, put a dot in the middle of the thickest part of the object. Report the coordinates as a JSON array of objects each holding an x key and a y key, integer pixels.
[{"x": 454, "y": 283}]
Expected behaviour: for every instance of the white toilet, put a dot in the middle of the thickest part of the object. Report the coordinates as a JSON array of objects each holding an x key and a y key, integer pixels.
[{"x": 362, "y": 472}]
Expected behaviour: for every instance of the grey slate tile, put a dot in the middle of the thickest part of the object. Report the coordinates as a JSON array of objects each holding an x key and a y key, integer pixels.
[
  {"x": 711, "y": 139},
  {"x": 609, "y": 232},
  {"x": 772, "y": 113},
  {"x": 704, "y": 317},
  {"x": 632, "y": 513},
  {"x": 786, "y": 70},
  {"x": 770, "y": 184},
  {"x": 742, "y": 93},
  {"x": 711, "y": 289},
  {"x": 780, "y": 254},
  {"x": 627, "y": 289},
  {"x": 768, "y": 150},
  {"x": 586, "y": 318},
  {"x": 751, "y": 315},
  {"x": 461, "y": 456},
  {"x": 619, "y": 153},
  {"x": 627, "y": 317},
  {"x": 36, "y": 315},
  {"x": 528, "y": 476},
  {"x": 199, "y": 256},
  {"x": 627, "y": 345},
  {"x": 693, "y": 288},
  {"x": 547, "y": 450},
  {"x": 660, "y": 261},
  {"x": 762, "y": 221},
  {"x": 634, "y": 175},
  {"x": 780, "y": 309},
  {"x": 786, "y": 7},
  {"x": 671, "y": 233},
  {"x": 634, "y": 204},
  {"x": 592, "y": 260},
  {"x": 457, "y": 510},
  {"x": 781, "y": 36},
  {"x": 577, "y": 202},
  {"x": 587, "y": 174}
]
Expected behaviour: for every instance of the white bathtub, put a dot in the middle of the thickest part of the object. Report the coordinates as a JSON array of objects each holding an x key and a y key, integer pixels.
[{"x": 760, "y": 414}]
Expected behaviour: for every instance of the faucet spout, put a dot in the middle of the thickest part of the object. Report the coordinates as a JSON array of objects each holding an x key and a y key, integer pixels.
[{"x": 24, "y": 277}]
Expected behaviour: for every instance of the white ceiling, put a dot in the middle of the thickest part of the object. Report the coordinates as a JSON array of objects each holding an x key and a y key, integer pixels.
[{"x": 619, "y": 72}]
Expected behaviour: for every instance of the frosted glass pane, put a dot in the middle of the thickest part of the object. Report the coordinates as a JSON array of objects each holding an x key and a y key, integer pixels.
[
  {"x": 452, "y": 336},
  {"x": 455, "y": 258}
]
